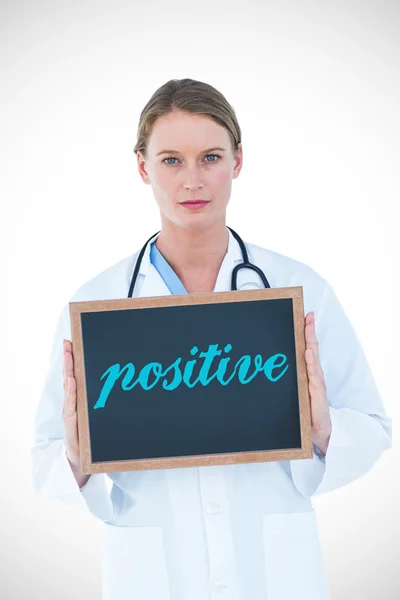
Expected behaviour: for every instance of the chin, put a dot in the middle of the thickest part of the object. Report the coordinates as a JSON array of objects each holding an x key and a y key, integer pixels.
[
  {"x": 198, "y": 222},
  {"x": 195, "y": 222}
]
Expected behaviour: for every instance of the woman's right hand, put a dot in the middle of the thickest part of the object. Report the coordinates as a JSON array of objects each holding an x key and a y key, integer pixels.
[{"x": 69, "y": 415}]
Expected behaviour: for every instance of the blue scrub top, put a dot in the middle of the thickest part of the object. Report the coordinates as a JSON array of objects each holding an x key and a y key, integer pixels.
[{"x": 165, "y": 270}]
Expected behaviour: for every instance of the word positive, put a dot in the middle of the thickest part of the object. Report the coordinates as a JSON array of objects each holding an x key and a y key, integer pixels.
[{"x": 246, "y": 369}]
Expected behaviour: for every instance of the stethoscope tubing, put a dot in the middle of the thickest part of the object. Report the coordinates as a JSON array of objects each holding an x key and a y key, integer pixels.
[{"x": 246, "y": 264}]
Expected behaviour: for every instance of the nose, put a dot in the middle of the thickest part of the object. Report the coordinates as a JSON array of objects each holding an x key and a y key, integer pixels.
[{"x": 192, "y": 178}]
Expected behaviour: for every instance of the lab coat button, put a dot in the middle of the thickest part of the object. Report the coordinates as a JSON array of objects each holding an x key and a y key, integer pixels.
[
  {"x": 212, "y": 507},
  {"x": 217, "y": 586}
]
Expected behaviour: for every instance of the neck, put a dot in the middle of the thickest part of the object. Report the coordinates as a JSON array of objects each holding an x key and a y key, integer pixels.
[{"x": 194, "y": 254}]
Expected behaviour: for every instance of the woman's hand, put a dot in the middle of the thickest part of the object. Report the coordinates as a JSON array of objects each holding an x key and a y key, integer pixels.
[
  {"x": 69, "y": 415},
  {"x": 320, "y": 417}
]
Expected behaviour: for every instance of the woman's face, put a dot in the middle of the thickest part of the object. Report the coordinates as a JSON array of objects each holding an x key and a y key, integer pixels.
[{"x": 190, "y": 157}]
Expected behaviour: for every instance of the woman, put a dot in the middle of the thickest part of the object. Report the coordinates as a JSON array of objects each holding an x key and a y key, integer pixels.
[{"x": 241, "y": 531}]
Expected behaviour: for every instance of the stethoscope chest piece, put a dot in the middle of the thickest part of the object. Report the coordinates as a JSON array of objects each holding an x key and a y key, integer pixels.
[{"x": 250, "y": 285}]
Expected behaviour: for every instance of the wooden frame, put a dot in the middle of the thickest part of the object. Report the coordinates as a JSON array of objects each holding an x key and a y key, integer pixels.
[{"x": 295, "y": 293}]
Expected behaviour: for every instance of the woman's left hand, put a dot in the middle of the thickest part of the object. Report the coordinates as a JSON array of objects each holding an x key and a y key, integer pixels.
[{"x": 320, "y": 417}]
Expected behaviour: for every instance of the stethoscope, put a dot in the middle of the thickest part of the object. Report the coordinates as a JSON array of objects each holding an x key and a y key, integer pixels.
[{"x": 246, "y": 264}]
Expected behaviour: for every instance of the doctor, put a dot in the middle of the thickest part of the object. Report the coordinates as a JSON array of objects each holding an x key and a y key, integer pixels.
[{"x": 229, "y": 532}]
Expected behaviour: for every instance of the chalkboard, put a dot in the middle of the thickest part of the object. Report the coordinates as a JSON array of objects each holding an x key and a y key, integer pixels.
[{"x": 191, "y": 380}]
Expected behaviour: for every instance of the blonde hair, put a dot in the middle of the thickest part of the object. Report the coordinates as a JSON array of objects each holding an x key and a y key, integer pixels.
[{"x": 191, "y": 96}]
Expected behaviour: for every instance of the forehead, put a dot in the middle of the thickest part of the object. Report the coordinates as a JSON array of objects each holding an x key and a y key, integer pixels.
[{"x": 184, "y": 131}]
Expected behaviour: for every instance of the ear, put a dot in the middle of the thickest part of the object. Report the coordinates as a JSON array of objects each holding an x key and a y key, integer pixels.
[
  {"x": 238, "y": 161},
  {"x": 141, "y": 163}
]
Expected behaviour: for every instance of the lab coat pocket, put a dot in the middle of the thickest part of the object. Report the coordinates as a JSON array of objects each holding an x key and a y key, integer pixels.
[
  {"x": 133, "y": 563},
  {"x": 293, "y": 561}
]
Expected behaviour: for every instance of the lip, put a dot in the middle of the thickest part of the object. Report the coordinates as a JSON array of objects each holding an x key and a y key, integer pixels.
[{"x": 194, "y": 203}]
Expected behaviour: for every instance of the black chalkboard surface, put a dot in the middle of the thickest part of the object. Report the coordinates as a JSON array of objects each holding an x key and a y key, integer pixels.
[{"x": 194, "y": 379}]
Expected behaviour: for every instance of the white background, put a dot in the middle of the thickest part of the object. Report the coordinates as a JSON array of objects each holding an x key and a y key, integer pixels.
[{"x": 316, "y": 90}]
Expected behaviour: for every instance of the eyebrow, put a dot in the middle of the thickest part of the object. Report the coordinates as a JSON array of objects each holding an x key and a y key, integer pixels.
[{"x": 177, "y": 151}]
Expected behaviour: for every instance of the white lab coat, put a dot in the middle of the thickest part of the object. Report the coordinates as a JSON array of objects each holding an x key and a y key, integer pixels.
[{"x": 231, "y": 532}]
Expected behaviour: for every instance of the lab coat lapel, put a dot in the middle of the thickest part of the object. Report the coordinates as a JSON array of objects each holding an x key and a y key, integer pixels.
[
  {"x": 232, "y": 257},
  {"x": 152, "y": 282}
]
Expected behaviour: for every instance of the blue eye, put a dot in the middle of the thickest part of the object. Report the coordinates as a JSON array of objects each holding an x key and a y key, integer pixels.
[{"x": 174, "y": 158}]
